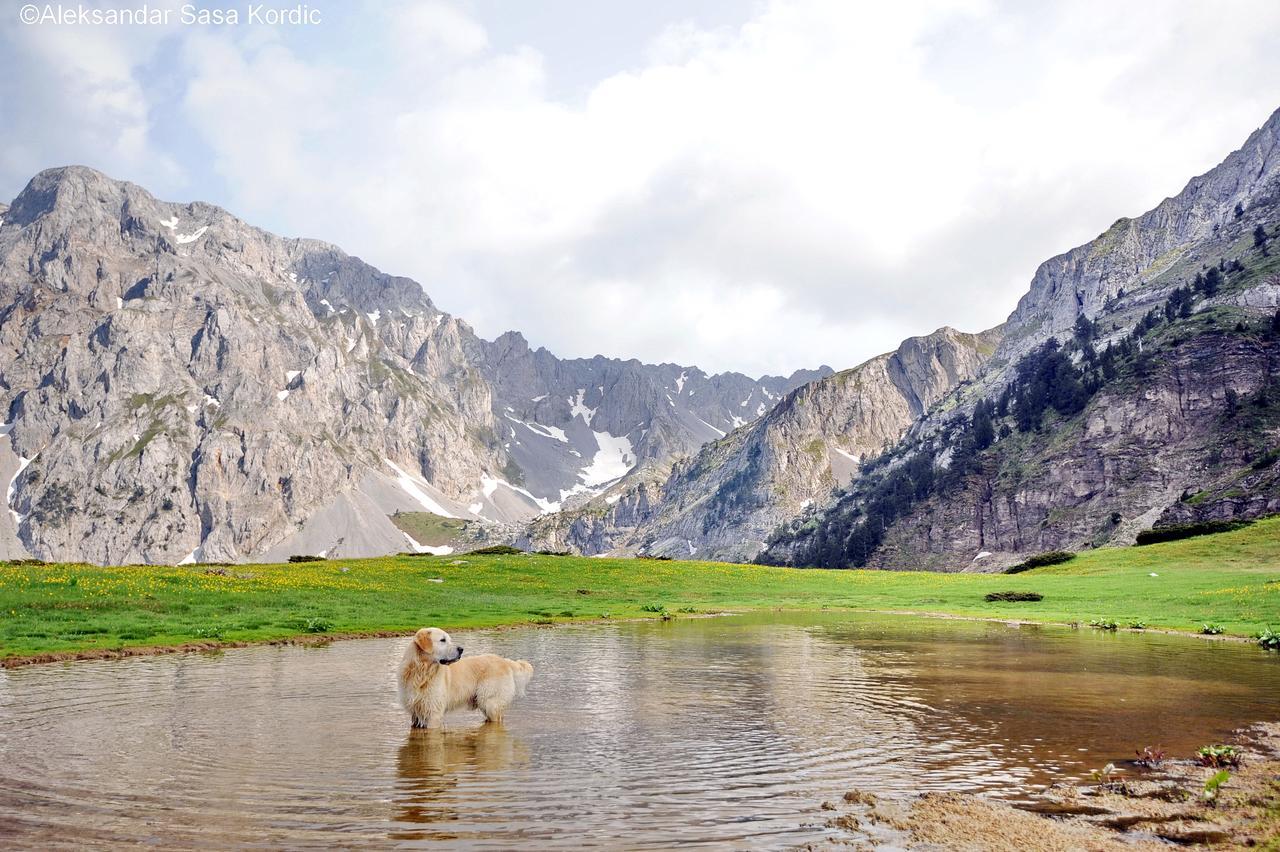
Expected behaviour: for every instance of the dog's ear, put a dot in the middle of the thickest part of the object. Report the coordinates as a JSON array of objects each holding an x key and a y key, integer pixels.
[{"x": 423, "y": 640}]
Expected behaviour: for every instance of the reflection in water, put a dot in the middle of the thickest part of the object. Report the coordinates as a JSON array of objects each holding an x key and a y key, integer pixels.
[
  {"x": 430, "y": 764},
  {"x": 725, "y": 731}
]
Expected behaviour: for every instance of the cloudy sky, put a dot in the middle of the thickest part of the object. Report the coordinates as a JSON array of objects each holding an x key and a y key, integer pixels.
[{"x": 756, "y": 186}]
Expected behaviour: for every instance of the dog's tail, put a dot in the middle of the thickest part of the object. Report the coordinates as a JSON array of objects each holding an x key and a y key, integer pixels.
[{"x": 523, "y": 674}]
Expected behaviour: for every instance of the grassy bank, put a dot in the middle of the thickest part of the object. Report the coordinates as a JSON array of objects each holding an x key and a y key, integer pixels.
[{"x": 1231, "y": 579}]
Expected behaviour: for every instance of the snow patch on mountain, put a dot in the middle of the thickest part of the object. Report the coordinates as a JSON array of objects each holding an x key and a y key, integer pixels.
[
  {"x": 12, "y": 489},
  {"x": 578, "y": 407},
  {"x": 183, "y": 239},
  {"x": 413, "y": 486},
  {"x": 442, "y": 550},
  {"x": 490, "y": 484},
  {"x": 719, "y": 432},
  {"x": 614, "y": 458},
  {"x": 539, "y": 429}
]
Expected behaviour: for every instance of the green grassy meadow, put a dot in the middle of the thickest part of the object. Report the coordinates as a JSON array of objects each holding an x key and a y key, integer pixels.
[{"x": 1231, "y": 579}]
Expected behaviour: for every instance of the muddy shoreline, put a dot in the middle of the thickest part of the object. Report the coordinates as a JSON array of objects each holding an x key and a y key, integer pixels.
[{"x": 1135, "y": 810}]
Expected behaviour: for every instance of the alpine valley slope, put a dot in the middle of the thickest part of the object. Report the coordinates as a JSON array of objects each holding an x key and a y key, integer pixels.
[
  {"x": 182, "y": 386},
  {"x": 1135, "y": 386},
  {"x": 723, "y": 502}
]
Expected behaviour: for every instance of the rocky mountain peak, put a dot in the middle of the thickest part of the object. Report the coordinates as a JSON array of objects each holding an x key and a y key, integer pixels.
[{"x": 1133, "y": 252}]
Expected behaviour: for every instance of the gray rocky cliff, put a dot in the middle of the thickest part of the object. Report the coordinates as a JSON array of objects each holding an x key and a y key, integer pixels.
[
  {"x": 1134, "y": 252},
  {"x": 184, "y": 383},
  {"x": 1167, "y": 447}
]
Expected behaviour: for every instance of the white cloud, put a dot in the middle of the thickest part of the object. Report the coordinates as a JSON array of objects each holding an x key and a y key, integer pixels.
[
  {"x": 74, "y": 94},
  {"x": 809, "y": 187}
]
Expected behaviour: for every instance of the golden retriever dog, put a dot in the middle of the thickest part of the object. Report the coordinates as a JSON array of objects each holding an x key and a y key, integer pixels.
[{"x": 434, "y": 679}]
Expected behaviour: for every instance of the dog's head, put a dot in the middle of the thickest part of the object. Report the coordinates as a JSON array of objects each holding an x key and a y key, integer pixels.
[{"x": 436, "y": 645}]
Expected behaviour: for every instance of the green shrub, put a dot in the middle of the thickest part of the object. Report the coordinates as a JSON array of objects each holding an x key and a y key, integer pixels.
[
  {"x": 1218, "y": 755},
  {"x": 1181, "y": 531},
  {"x": 1014, "y": 596},
  {"x": 304, "y": 557},
  {"x": 1213, "y": 783},
  {"x": 653, "y": 608},
  {"x": 1040, "y": 560},
  {"x": 1269, "y": 639},
  {"x": 317, "y": 625},
  {"x": 552, "y": 552},
  {"x": 1104, "y": 624},
  {"x": 495, "y": 550},
  {"x": 1210, "y": 629},
  {"x": 655, "y": 558}
]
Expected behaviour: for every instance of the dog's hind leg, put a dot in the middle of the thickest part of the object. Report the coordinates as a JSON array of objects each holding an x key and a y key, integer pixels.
[{"x": 493, "y": 699}]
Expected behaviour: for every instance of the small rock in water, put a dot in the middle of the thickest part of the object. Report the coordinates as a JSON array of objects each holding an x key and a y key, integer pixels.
[
  {"x": 859, "y": 797},
  {"x": 848, "y": 822}
]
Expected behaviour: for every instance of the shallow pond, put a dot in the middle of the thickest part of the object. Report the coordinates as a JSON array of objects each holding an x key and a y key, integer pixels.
[{"x": 722, "y": 731}]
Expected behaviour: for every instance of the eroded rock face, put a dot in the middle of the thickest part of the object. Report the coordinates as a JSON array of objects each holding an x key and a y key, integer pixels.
[
  {"x": 182, "y": 381},
  {"x": 723, "y": 502},
  {"x": 1169, "y": 447}
]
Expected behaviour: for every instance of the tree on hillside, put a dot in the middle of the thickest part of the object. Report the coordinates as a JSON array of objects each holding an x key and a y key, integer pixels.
[
  {"x": 1212, "y": 281},
  {"x": 984, "y": 432},
  {"x": 1047, "y": 379},
  {"x": 1085, "y": 330}
]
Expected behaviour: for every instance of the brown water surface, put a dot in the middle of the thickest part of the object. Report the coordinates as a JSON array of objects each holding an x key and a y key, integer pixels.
[{"x": 726, "y": 732}]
